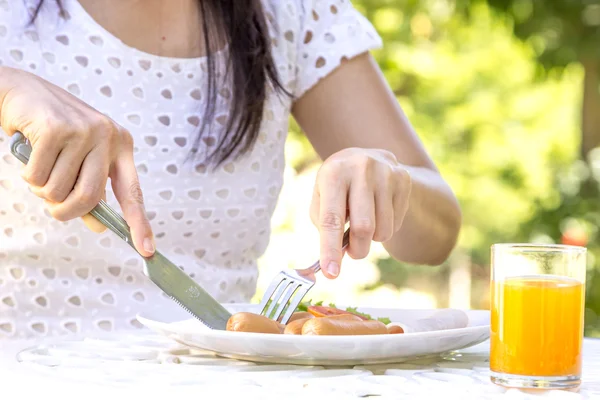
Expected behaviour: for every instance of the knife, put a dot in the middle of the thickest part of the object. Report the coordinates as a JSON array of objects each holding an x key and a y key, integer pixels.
[{"x": 166, "y": 275}]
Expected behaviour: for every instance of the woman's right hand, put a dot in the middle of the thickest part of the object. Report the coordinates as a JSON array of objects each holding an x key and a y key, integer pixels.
[{"x": 75, "y": 150}]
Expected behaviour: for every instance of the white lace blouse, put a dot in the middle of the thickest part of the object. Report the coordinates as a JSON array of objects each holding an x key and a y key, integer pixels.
[{"x": 60, "y": 278}]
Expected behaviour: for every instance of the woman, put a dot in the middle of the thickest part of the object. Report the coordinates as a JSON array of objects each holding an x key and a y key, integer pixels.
[{"x": 188, "y": 102}]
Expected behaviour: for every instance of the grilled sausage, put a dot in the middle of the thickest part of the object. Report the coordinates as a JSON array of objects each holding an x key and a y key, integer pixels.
[
  {"x": 343, "y": 325},
  {"x": 250, "y": 322},
  {"x": 295, "y": 327},
  {"x": 300, "y": 315},
  {"x": 394, "y": 329},
  {"x": 324, "y": 311},
  {"x": 348, "y": 317},
  {"x": 297, "y": 315}
]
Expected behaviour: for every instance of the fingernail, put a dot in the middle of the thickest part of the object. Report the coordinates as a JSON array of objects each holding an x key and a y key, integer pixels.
[
  {"x": 333, "y": 268},
  {"x": 149, "y": 245}
]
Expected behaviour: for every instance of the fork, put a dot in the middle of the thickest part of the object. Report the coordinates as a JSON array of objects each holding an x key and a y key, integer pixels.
[{"x": 277, "y": 297}]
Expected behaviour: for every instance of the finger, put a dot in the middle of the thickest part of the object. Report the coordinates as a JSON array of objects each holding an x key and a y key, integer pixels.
[
  {"x": 384, "y": 212},
  {"x": 63, "y": 176},
  {"x": 126, "y": 186},
  {"x": 314, "y": 206},
  {"x": 314, "y": 211},
  {"x": 38, "y": 191},
  {"x": 92, "y": 223},
  {"x": 41, "y": 161},
  {"x": 400, "y": 209},
  {"x": 361, "y": 200},
  {"x": 400, "y": 198},
  {"x": 88, "y": 189},
  {"x": 332, "y": 212}
]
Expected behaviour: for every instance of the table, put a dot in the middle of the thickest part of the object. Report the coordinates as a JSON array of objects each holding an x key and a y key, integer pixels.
[{"x": 121, "y": 365}]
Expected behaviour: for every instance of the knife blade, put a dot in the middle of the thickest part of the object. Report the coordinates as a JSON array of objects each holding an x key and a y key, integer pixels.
[
  {"x": 161, "y": 271},
  {"x": 186, "y": 292}
]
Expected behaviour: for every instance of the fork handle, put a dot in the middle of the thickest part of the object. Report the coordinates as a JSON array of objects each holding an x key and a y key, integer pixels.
[
  {"x": 21, "y": 149},
  {"x": 316, "y": 267}
]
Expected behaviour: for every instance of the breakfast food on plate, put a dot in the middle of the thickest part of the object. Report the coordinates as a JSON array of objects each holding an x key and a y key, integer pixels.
[
  {"x": 318, "y": 309},
  {"x": 250, "y": 322},
  {"x": 343, "y": 326},
  {"x": 295, "y": 327},
  {"x": 393, "y": 329},
  {"x": 299, "y": 315},
  {"x": 323, "y": 311},
  {"x": 317, "y": 319},
  {"x": 313, "y": 320}
]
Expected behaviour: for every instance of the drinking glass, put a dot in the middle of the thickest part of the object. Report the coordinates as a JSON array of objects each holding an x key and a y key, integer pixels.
[{"x": 537, "y": 305}]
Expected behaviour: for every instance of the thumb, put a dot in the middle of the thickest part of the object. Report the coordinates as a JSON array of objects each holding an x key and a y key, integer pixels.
[{"x": 126, "y": 186}]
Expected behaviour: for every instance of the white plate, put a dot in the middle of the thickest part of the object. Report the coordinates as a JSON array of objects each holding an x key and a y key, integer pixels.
[{"x": 319, "y": 350}]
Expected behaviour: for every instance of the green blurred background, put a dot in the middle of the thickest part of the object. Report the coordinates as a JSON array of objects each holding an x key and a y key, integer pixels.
[{"x": 506, "y": 97}]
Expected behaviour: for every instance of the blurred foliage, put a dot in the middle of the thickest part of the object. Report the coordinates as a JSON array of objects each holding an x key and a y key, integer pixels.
[
  {"x": 564, "y": 32},
  {"x": 507, "y": 141},
  {"x": 561, "y": 31}
]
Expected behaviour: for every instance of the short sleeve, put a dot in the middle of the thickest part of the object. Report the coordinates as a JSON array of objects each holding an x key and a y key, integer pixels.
[{"x": 331, "y": 30}]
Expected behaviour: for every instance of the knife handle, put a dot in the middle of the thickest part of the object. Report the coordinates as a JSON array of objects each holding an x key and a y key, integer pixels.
[{"x": 21, "y": 149}]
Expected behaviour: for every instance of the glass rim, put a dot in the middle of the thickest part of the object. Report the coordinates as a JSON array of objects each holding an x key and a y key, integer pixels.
[{"x": 540, "y": 247}]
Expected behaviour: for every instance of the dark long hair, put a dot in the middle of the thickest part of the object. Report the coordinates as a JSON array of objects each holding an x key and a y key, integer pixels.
[{"x": 243, "y": 26}]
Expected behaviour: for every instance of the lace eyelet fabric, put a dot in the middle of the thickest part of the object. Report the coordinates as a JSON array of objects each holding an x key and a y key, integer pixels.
[{"x": 59, "y": 278}]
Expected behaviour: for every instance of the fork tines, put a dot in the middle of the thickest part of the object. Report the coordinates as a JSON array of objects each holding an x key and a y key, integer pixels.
[{"x": 277, "y": 297}]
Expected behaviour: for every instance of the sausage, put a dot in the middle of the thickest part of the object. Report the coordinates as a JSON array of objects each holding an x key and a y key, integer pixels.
[
  {"x": 348, "y": 317},
  {"x": 394, "y": 329},
  {"x": 250, "y": 322},
  {"x": 324, "y": 311},
  {"x": 342, "y": 325},
  {"x": 295, "y": 327},
  {"x": 298, "y": 315}
]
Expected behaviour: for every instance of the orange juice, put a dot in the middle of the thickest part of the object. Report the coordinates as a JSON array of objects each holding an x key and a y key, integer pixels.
[{"x": 537, "y": 326}]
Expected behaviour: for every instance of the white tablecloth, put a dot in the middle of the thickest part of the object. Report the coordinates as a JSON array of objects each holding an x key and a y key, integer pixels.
[{"x": 126, "y": 365}]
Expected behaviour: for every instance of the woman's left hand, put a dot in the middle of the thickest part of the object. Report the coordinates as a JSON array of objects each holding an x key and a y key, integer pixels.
[{"x": 367, "y": 187}]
